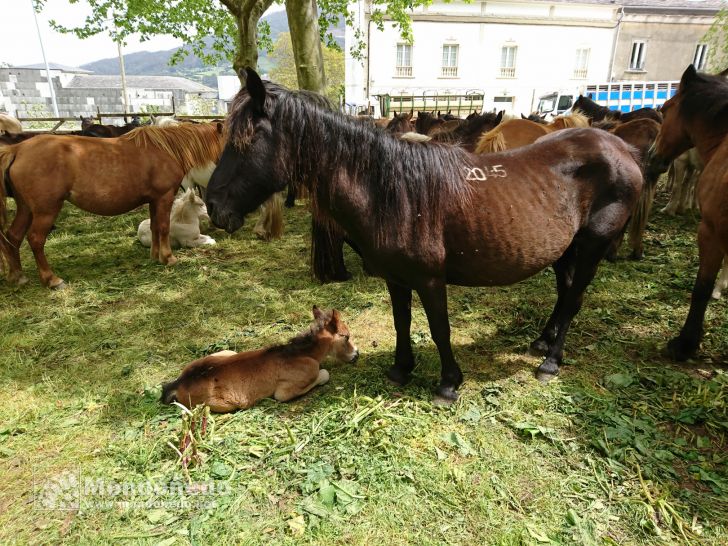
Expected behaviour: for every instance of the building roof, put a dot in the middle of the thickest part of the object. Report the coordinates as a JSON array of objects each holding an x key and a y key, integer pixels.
[
  {"x": 711, "y": 5},
  {"x": 55, "y": 66},
  {"x": 143, "y": 82}
]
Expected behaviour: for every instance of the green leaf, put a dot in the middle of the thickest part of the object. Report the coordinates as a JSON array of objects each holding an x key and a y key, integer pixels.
[
  {"x": 156, "y": 515},
  {"x": 221, "y": 470},
  {"x": 620, "y": 380}
]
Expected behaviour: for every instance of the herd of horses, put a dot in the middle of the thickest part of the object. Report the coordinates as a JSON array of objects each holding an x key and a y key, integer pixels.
[{"x": 481, "y": 201}]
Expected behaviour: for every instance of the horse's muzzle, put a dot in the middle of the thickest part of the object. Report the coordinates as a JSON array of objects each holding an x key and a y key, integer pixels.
[
  {"x": 655, "y": 164},
  {"x": 355, "y": 357},
  {"x": 223, "y": 219}
]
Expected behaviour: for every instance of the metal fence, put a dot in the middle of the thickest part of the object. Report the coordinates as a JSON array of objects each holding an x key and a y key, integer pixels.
[
  {"x": 456, "y": 104},
  {"x": 100, "y": 117}
]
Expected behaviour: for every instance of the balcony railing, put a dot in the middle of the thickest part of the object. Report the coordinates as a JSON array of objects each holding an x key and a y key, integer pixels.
[
  {"x": 580, "y": 73},
  {"x": 449, "y": 72},
  {"x": 508, "y": 72},
  {"x": 403, "y": 71}
]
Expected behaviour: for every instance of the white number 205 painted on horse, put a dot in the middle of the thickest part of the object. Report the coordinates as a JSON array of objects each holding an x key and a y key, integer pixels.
[{"x": 481, "y": 175}]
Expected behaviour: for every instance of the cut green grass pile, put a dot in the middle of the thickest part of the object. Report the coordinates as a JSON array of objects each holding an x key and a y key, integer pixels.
[{"x": 624, "y": 447}]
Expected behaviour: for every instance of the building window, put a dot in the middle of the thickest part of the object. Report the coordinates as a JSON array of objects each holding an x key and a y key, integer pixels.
[
  {"x": 581, "y": 67},
  {"x": 450, "y": 61},
  {"x": 701, "y": 57},
  {"x": 637, "y": 58},
  {"x": 404, "y": 60},
  {"x": 508, "y": 61}
]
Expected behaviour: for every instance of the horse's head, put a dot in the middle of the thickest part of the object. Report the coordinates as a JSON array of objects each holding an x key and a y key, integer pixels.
[
  {"x": 86, "y": 122},
  {"x": 674, "y": 138},
  {"x": 246, "y": 174},
  {"x": 342, "y": 348}
]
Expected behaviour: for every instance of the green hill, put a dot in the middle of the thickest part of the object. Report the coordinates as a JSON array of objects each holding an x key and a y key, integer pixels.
[{"x": 156, "y": 63}]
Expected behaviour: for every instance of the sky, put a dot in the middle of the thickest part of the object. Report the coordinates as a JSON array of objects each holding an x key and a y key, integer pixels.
[{"x": 19, "y": 40}]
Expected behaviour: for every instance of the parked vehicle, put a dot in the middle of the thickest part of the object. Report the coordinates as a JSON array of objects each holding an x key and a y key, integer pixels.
[{"x": 623, "y": 96}]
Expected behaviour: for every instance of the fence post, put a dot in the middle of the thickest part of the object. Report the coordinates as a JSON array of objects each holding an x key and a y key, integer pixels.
[{"x": 98, "y": 114}]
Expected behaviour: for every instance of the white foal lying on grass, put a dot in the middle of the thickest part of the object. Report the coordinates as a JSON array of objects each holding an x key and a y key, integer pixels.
[{"x": 184, "y": 220}]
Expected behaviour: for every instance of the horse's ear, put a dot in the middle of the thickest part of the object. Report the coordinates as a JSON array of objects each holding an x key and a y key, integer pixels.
[
  {"x": 219, "y": 126},
  {"x": 317, "y": 314},
  {"x": 411, "y": 113},
  {"x": 499, "y": 117},
  {"x": 523, "y": 117},
  {"x": 256, "y": 90},
  {"x": 724, "y": 73},
  {"x": 688, "y": 76}
]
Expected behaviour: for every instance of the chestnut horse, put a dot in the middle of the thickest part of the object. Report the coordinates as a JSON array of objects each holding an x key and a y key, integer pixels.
[
  {"x": 107, "y": 176},
  {"x": 641, "y": 134},
  {"x": 229, "y": 381},
  {"x": 698, "y": 116},
  {"x": 425, "y": 214},
  {"x": 519, "y": 132}
]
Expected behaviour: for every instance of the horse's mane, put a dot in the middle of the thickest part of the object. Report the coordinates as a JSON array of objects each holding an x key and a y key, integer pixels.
[
  {"x": 304, "y": 341},
  {"x": 191, "y": 145},
  {"x": 409, "y": 184},
  {"x": 492, "y": 141},
  {"x": 606, "y": 124},
  {"x": 576, "y": 119},
  {"x": 708, "y": 98},
  {"x": 467, "y": 130}
]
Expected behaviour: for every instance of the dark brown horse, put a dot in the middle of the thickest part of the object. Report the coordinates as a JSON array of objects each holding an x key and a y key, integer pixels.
[
  {"x": 597, "y": 112},
  {"x": 327, "y": 238},
  {"x": 102, "y": 176},
  {"x": 427, "y": 215},
  {"x": 698, "y": 116},
  {"x": 401, "y": 123}
]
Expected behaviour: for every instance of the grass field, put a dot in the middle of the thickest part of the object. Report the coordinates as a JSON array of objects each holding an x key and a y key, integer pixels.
[{"x": 624, "y": 448}]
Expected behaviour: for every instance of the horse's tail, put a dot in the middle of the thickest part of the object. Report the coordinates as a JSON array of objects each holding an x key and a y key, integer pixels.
[
  {"x": 7, "y": 156},
  {"x": 327, "y": 251},
  {"x": 640, "y": 214},
  {"x": 270, "y": 222},
  {"x": 169, "y": 392},
  {"x": 491, "y": 142}
]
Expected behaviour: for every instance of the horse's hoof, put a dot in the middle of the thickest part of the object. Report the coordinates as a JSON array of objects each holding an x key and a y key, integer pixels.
[
  {"x": 636, "y": 255},
  {"x": 612, "y": 258},
  {"x": 679, "y": 350},
  {"x": 538, "y": 348},
  {"x": 171, "y": 261},
  {"x": 445, "y": 396},
  {"x": 716, "y": 294},
  {"x": 22, "y": 280},
  {"x": 58, "y": 286},
  {"x": 397, "y": 376},
  {"x": 339, "y": 277},
  {"x": 548, "y": 370}
]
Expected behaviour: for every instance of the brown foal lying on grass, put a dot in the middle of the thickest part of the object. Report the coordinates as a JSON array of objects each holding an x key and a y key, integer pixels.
[{"x": 228, "y": 381}]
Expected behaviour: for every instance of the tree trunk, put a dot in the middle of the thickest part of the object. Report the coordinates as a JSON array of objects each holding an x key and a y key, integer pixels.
[
  {"x": 306, "y": 40},
  {"x": 246, "y": 13}
]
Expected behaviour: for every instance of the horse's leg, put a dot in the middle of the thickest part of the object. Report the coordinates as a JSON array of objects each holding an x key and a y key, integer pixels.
[
  {"x": 722, "y": 282},
  {"x": 564, "y": 270},
  {"x": 15, "y": 235},
  {"x": 711, "y": 255},
  {"x": 434, "y": 300},
  {"x": 154, "y": 248},
  {"x": 586, "y": 260},
  {"x": 404, "y": 359},
  {"x": 40, "y": 227},
  {"x": 288, "y": 391},
  {"x": 163, "y": 211},
  {"x": 291, "y": 196},
  {"x": 675, "y": 175},
  {"x": 327, "y": 253}
]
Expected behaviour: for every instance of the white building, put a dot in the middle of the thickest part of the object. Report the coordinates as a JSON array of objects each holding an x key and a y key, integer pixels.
[{"x": 511, "y": 52}]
